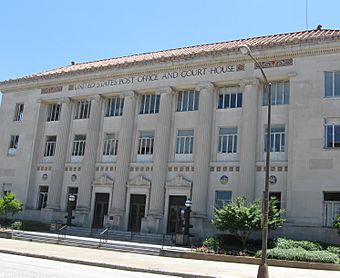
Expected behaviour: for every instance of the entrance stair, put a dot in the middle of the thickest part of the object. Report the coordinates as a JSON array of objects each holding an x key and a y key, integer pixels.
[{"x": 150, "y": 244}]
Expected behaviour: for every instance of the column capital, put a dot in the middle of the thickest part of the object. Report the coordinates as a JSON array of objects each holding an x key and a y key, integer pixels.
[
  {"x": 65, "y": 100},
  {"x": 95, "y": 98},
  {"x": 129, "y": 93},
  {"x": 204, "y": 86},
  {"x": 164, "y": 90},
  {"x": 292, "y": 74},
  {"x": 249, "y": 81}
]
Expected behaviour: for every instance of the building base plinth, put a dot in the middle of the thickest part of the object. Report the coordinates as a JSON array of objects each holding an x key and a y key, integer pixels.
[
  {"x": 115, "y": 220},
  {"x": 152, "y": 224},
  {"x": 81, "y": 217}
]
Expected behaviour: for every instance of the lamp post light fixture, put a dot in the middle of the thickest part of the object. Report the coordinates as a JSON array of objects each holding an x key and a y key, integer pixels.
[{"x": 263, "y": 267}]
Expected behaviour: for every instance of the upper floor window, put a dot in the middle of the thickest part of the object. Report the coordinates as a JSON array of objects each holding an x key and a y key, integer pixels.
[
  {"x": 110, "y": 144},
  {"x": 185, "y": 141},
  {"x": 187, "y": 100},
  {"x": 149, "y": 104},
  {"x": 53, "y": 112},
  {"x": 280, "y": 93},
  {"x": 83, "y": 108},
  {"x": 114, "y": 107},
  {"x": 229, "y": 97},
  {"x": 79, "y": 142},
  {"x": 332, "y": 135},
  {"x": 50, "y": 144},
  {"x": 332, "y": 84},
  {"x": 227, "y": 140},
  {"x": 13, "y": 144},
  {"x": 277, "y": 142},
  {"x": 222, "y": 198},
  {"x": 19, "y": 112},
  {"x": 146, "y": 141}
]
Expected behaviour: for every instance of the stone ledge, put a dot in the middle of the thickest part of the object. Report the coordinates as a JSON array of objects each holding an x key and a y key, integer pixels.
[
  {"x": 6, "y": 234},
  {"x": 248, "y": 260}
]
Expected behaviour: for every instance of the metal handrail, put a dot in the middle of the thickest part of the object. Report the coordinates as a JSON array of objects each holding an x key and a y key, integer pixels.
[
  {"x": 62, "y": 232},
  {"x": 103, "y": 235}
]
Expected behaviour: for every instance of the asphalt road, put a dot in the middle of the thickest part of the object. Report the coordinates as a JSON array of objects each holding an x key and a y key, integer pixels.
[{"x": 13, "y": 266}]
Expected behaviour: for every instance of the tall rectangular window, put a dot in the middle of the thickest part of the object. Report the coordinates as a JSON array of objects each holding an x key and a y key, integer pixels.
[
  {"x": 114, "y": 107},
  {"x": 13, "y": 144},
  {"x": 331, "y": 207},
  {"x": 332, "y": 84},
  {"x": 50, "y": 145},
  {"x": 222, "y": 198},
  {"x": 187, "y": 100},
  {"x": 185, "y": 141},
  {"x": 79, "y": 142},
  {"x": 53, "y": 112},
  {"x": 19, "y": 112},
  {"x": 146, "y": 141},
  {"x": 277, "y": 142},
  {"x": 110, "y": 144},
  {"x": 229, "y": 97},
  {"x": 227, "y": 140},
  {"x": 83, "y": 108},
  {"x": 280, "y": 93},
  {"x": 332, "y": 135},
  {"x": 42, "y": 198},
  {"x": 149, "y": 104}
]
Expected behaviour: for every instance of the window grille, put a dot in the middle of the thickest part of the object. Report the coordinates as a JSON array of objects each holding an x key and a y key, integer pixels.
[
  {"x": 227, "y": 140},
  {"x": 43, "y": 195},
  {"x": 280, "y": 93},
  {"x": 229, "y": 97},
  {"x": 185, "y": 141},
  {"x": 146, "y": 141},
  {"x": 83, "y": 108},
  {"x": 19, "y": 112},
  {"x": 187, "y": 100},
  {"x": 53, "y": 112},
  {"x": 50, "y": 145},
  {"x": 79, "y": 143},
  {"x": 332, "y": 135},
  {"x": 110, "y": 144},
  {"x": 149, "y": 104},
  {"x": 332, "y": 84},
  {"x": 114, "y": 107},
  {"x": 277, "y": 140},
  {"x": 222, "y": 198},
  {"x": 13, "y": 144}
]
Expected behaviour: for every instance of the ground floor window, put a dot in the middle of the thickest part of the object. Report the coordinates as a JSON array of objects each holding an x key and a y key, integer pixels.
[
  {"x": 331, "y": 207},
  {"x": 43, "y": 195},
  {"x": 222, "y": 198}
]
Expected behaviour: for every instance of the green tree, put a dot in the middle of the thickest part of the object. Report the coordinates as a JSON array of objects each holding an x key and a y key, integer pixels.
[
  {"x": 337, "y": 222},
  {"x": 242, "y": 219},
  {"x": 9, "y": 205}
]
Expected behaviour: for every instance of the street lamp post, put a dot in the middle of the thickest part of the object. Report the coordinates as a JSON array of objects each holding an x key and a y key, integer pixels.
[{"x": 263, "y": 267}]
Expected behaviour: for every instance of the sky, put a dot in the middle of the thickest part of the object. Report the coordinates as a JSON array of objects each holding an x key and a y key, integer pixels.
[{"x": 38, "y": 35}]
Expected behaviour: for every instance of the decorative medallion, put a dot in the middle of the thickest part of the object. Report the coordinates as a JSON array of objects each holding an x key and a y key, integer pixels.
[
  {"x": 44, "y": 177},
  {"x": 224, "y": 179},
  {"x": 74, "y": 177},
  {"x": 272, "y": 179}
]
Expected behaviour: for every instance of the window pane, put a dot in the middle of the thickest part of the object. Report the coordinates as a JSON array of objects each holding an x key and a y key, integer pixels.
[
  {"x": 328, "y": 84},
  {"x": 233, "y": 101},
  {"x": 191, "y": 101},
  {"x": 197, "y": 94},
  {"x": 337, "y": 84},
  {"x": 179, "y": 101},
  {"x": 220, "y": 101},
  {"x": 337, "y": 136},
  {"x": 226, "y": 101},
  {"x": 329, "y": 136},
  {"x": 239, "y": 100},
  {"x": 185, "y": 101}
]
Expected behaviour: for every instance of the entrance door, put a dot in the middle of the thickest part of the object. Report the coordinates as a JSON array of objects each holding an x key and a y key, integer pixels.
[
  {"x": 176, "y": 204},
  {"x": 100, "y": 209},
  {"x": 137, "y": 211}
]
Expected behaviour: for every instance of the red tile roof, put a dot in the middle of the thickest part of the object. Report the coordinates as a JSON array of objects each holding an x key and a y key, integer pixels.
[{"x": 186, "y": 52}]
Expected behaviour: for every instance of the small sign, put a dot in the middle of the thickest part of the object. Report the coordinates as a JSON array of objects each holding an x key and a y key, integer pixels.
[{"x": 224, "y": 179}]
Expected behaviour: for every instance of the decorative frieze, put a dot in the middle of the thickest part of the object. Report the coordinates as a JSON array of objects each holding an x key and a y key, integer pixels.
[
  {"x": 275, "y": 63},
  {"x": 50, "y": 90}
]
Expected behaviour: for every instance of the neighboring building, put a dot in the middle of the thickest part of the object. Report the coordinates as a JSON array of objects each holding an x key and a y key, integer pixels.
[{"x": 134, "y": 137}]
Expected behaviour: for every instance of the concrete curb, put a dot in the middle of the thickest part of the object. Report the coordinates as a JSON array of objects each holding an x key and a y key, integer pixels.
[
  {"x": 105, "y": 265},
  {"x": 249, "y": 260}
]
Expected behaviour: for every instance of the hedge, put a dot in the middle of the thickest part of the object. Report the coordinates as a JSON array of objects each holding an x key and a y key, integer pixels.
[
  {"x": 283, "y": 243},
  {"x": 299, "y": 254}
]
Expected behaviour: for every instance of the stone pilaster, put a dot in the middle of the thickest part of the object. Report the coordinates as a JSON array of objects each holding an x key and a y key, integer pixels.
[
  {"x": 58, "y": 168},
  {"x": 248, "y": 139},
  {"x": 152, "y": 223},
  {"x": 202, "y": 155},
  {"x": 89, "y": 162},
  {"x": 125, "y": 143},
  {"x": 38, "y": 142}
]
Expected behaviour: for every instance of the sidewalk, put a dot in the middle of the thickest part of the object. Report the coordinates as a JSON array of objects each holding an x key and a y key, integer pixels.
[{"x": 151, "y": 264}]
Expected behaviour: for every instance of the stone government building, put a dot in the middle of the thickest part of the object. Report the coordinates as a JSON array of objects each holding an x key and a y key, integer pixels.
[{"x": 133, "y": 137}]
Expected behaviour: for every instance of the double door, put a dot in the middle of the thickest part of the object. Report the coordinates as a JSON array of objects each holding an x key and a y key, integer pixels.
[{"x": 136, "y": 212}]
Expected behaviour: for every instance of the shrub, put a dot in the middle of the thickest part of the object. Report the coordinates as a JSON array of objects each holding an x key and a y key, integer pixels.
[
  {"x": 337, "y": 223},
  {"x": 299, "y": 254},
  {"x": 212, "y": 243},
  {"x": 334, "y": 250},
  {"x": 283, "y": 243},
  {"x": 17, "y": 225}
]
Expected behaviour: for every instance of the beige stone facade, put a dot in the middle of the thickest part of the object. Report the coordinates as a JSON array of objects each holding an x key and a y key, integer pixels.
[{"x": 134, "y": 141}]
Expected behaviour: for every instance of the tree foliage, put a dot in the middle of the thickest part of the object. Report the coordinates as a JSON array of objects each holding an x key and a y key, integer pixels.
[
  {"x": 241, "y": 219},
  {"x": 337, "y": 223},
  {"x": 9, "y": 205}
]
